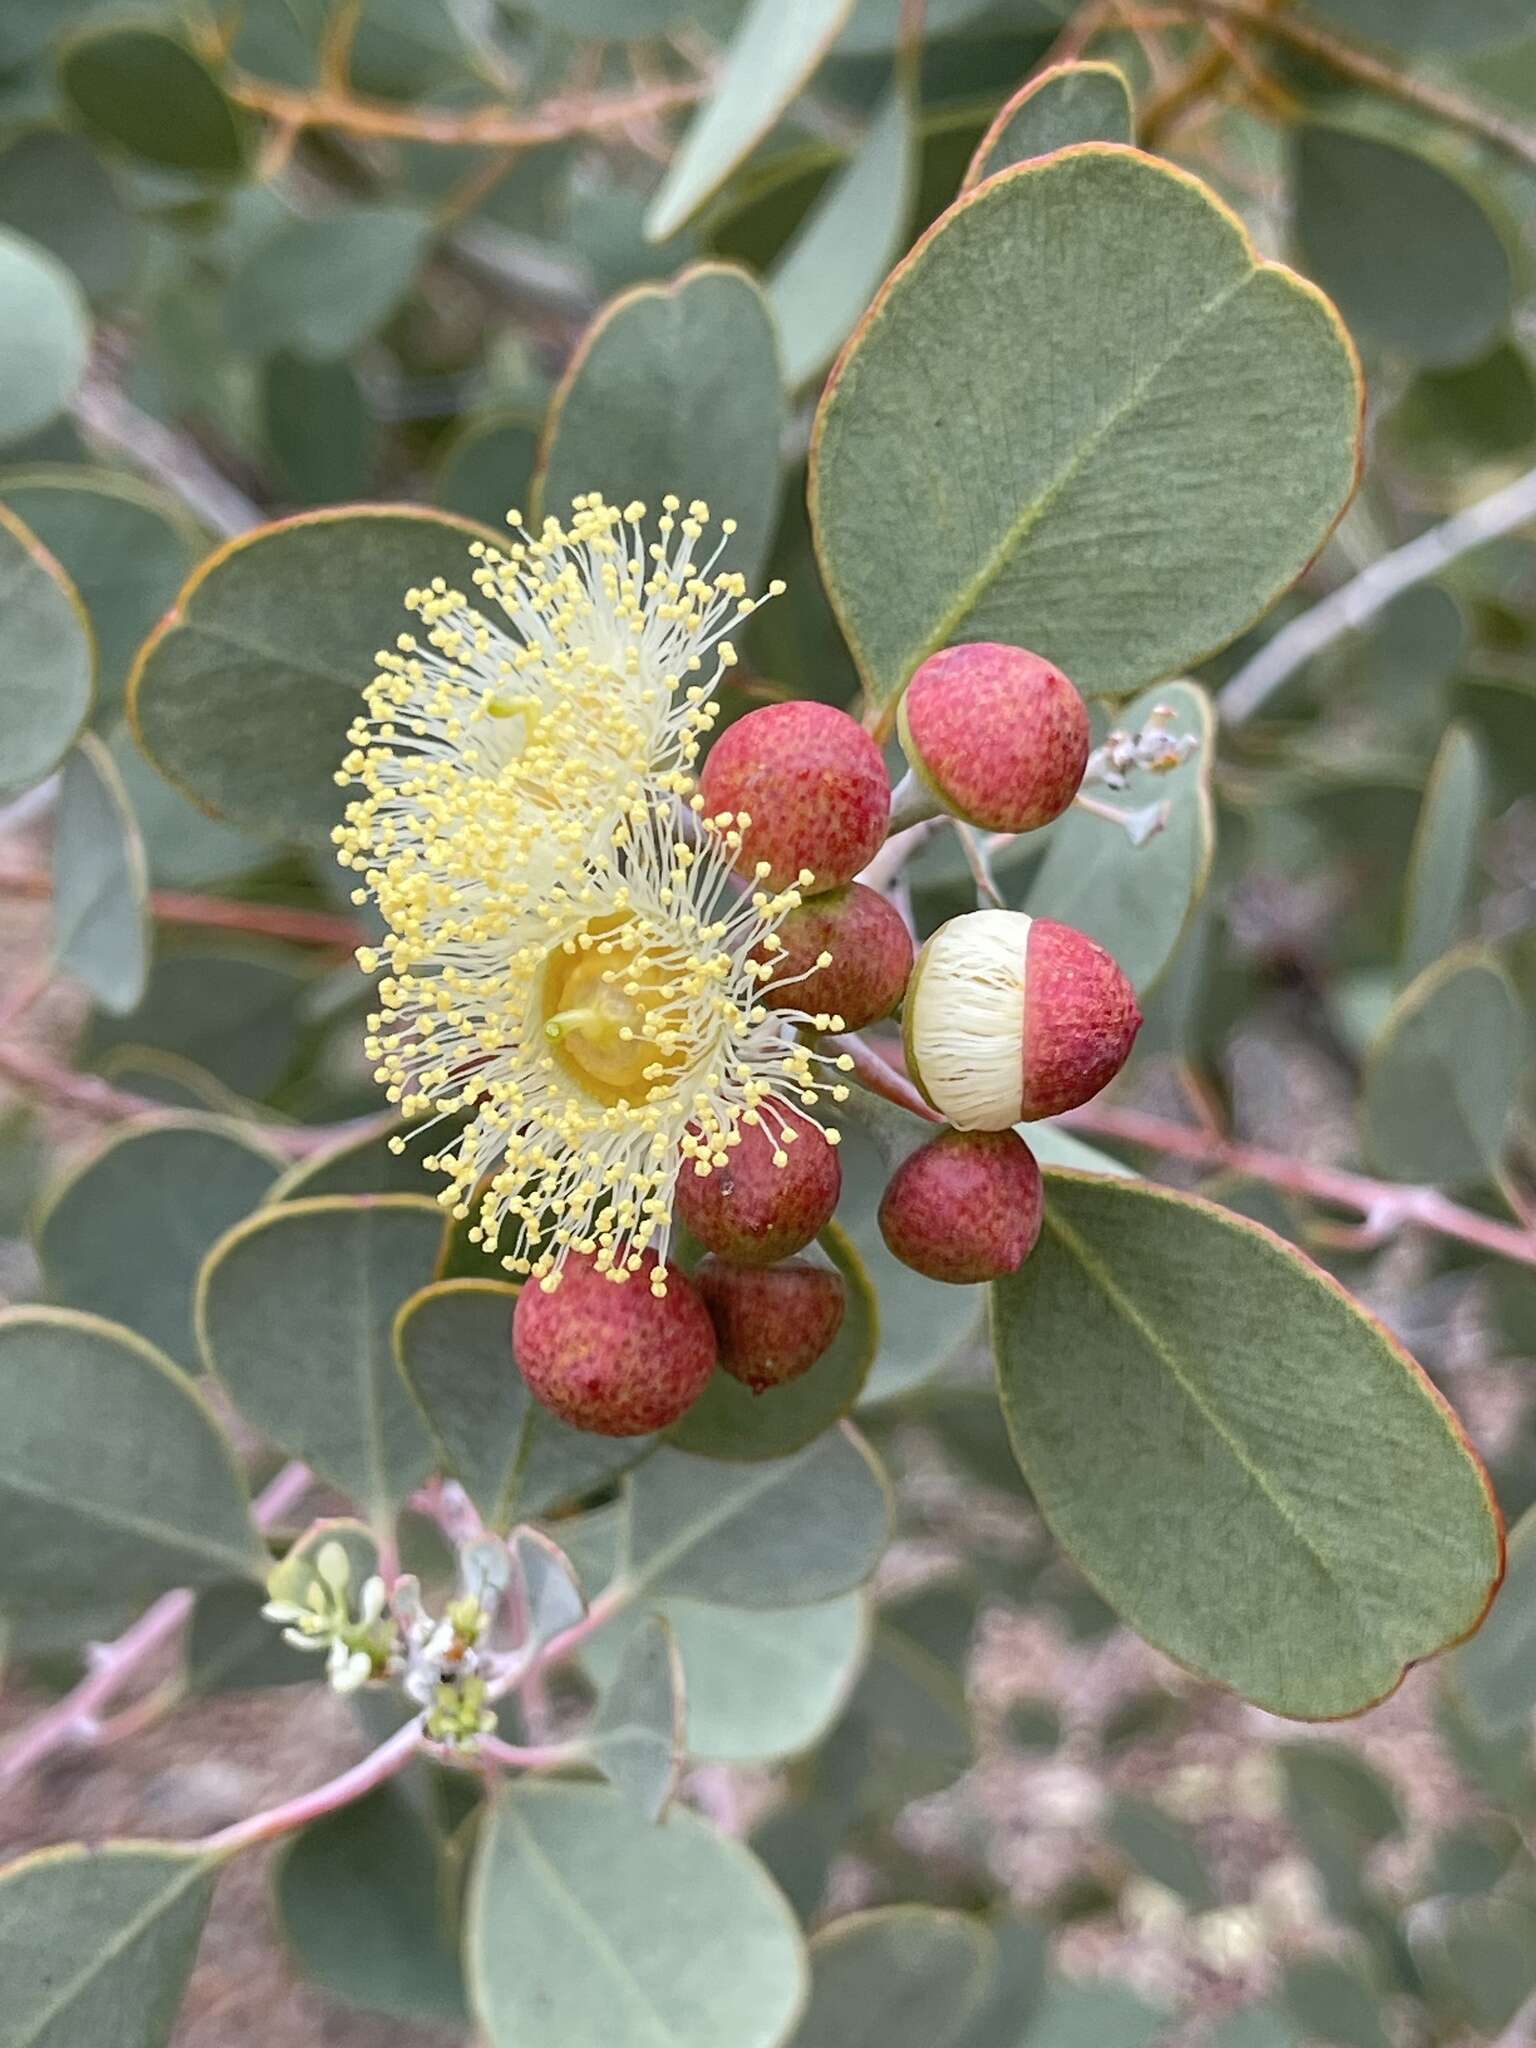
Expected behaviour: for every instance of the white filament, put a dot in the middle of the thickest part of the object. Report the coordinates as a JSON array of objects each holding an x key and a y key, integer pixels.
[{"x": 966, "y": 1030}]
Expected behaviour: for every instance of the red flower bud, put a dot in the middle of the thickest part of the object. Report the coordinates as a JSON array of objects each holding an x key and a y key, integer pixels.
[
  {"x": 871, "y": 957},
  {"x": 767, "y": 1196},
  {"x": 611, "y": 1356},
  {"x": 999, "y": 735},
  {"x": 773, "y": 1322},
  {"x": 813, "y": 787},
  {"x": 965, "y": 1207}
]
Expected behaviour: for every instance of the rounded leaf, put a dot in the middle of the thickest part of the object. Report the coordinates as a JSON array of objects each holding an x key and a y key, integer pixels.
[
  {"x": 144, "y": 90},
  {"x": 46, "y": 682},
  {"x": 45, "y": 336}
]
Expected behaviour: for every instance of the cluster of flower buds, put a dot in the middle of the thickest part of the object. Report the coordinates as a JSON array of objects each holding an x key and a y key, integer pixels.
[
  {"x": 358, "y": 1645},
  {"x": 1006, "y": 1018}
]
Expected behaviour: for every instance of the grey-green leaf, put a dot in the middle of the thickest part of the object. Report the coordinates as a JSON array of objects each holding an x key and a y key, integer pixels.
[
  {"x": 295, "y": 1312},
  {"x": 321, "y": 287},
  {"x": 1067, "y": 104},
  {"x": 897, "y": 1977},
  {"x": 45, "y": 336},
  {"x": 1441, "y": 1077},
  {"x": 778, "y": 46},
  {"x": 115, "y": 1481},
  {"x": 1124, "y": 521},
  {"x": 790, "y": 1531},
  {"x": 1442, "y": 867},
  {"x": 1495, "y": 1672},
  {"x": 101, "y": 932},
  {"x": 97, "y": 1944},
  {"x": 636, "y": 1736},
  {"x": 674, "y": 388},
  {"x": 587, "y": 1925},
  {"x": 1244, "y": 1464},
  {"x": 125, "y": 1234},
  {"x": 49, "y": 671},
  {"x": 145, "y": 91},
  {"x": 244, "y": 694}
]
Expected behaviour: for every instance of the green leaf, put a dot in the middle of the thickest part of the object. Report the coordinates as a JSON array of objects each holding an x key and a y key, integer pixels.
[
  {"x": 1067, "y": 104},
  {"x": 320, "y": 429},
  {"x": 364, "y": 1909},
  {"x": 897, "y": 1977},
  {"x": 551, "y": 1591},
  {"x": 1444, "y": 24},
  {"x": 294, "y": 1311},
  {"x": 1479, "y": 1961},
  {"x": 1441, "y": 1077},
  {"x": 831, "y": 270},
  {"x": 1482, "y": 412},
  {"x": 875, "y": 25},
  {"x": 1334, "y": 2002},
  {"x": 587, "y": 1925},
  {"x": 1443, "y": 865},
  {"x": 1324, "y": 1780},
  {"x": 676, "y": 388},
  {"x": 512, "y": 1456},
  {"x": 115, "y": 1480},
  {"x": 231, "y": 1006},
  {"x": 1136, "y": 899},
  {"x": 1096, "y": 2015},
  {"x": 186, "y": 849},
  {"x": 124, "y": 1234},
  {"x": 321, "y": 287},
  {"x": 636, "y": 1737},
  {"x": 1126, "y": 520},
  {"x": 1495, "y": 1673},
  {"x": 1016, "y": 1988},
  {"x": 353, "y": 1166},
  {"x": 232, "y": 1647},
  {"x": 45, "y": 687},
  {"x": 101, "y": 932},
  {"x": 55, "y": 190},
  {"x": 145, "y": 91},
  {"x": 45, "y": 336},
  {"x": 127, "y": 548},
  {"x": 796, "y": 1530},
  {"x": 487, "y": 468},
  {"x": 730, "y": 1421},
  {"x": 770, "y": 60},
  {"x": 243, "y": 695},
  {"x": 758, "y": 1684},
  {"x": 97, "y": 1944},
  {"x": 1247, "y": 1467},
  {"x": 1407, "y": 249},
  {"x": 1162, "y": 1849}
]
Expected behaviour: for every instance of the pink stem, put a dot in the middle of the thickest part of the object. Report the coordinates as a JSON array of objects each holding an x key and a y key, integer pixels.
[
  {"x": 876, "y": 1073},
  {"x": 383, "y": 1763},
  {"x": 219, "y": 913}
]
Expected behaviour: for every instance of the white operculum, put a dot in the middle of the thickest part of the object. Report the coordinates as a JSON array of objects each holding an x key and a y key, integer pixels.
[{"x": 965, "y": 1033}]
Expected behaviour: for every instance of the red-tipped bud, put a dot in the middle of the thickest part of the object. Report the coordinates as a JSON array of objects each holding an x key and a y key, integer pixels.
[
  {"x": 965, "y": 1207},
  {"x": 612, "y": 1356},
  {"x": 764, "y": 1198},
  {"x": 999, "y": 735},
  {"x": 773, "y": 1322},
  {"x": 813, "y": 787},
  {"x": 1010, "y": 1017},
  {"x": 866, "y": 948}
]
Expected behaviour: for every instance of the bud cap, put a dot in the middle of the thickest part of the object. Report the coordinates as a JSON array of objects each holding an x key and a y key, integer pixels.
[
  {"x": 965, "y": 1207},
  {"x": 611, "y": 1356},
  {"x": 814, "y": 789},
  {"x": 773, "y": 1322},
  {"x": 997, "y": 733}
]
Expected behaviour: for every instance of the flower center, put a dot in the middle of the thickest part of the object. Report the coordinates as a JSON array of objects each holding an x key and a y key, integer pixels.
[{"x": 603, "y": 1015}]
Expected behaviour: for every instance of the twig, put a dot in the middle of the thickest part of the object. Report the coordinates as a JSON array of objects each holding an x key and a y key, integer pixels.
[
  {"x": 76, "y": 1716},
  {"x": 874, "y": 1072},
  {"x": 384, "y": 1763},
  {"x": 542, "y": 1756},
  {"x": 171, "y": 459},
  {"x": 1357, "y": 602},
  {"x": 978, "y": 859},
  {"x": 492, "y": 127},
  {"x": 1384, "y": 1207},
  {"x": 218, "y": 913}
]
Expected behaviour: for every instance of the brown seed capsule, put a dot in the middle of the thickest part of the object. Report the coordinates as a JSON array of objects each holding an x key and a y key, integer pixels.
[
  {"x": 813, "y": 786},
  {"x": 868, "y": 953},
  {"x": 1010, "y": 1017},
  {"x": 773, "y": 1322},
  {"x": 999, "y": 735},
  {"x": 767, "y": 1196},
  {"x": 964, "y": 1208},
  {"x": 610, "y": 1356}
]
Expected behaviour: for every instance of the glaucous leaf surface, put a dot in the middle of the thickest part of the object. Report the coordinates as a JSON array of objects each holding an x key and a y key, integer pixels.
[
  {"x": 1443, "y": 24},
  {"x": 45, "y": 336},
  {"x": 97, "y": 1944},
  {"x": 1442, "y": 867},
  {"x": 231, "y": 1005},
  {"x": 896, "y": 1977},
  {"x": 1135, "y": 899},
  {"x": 1244, "y": 1464},
  {"x": 50, "y": 666},
  {"x": 1407, "y": 249},
  {"x": 56, "y": 190},
  {"x": 320, "y": 429},
  {"x": 1495, "y": 1672},
  {"x": 772, "y": 55},
  {"x": 1441, "y": 1077},
  {"x": 244, "y": 694},
  {"x": 295, "y": 1311},
  {"x": 232, "y": 1647},
  {"x": 512, "y": 1456},
  {"x": 1069, "y": 103},
  {"x": 587, "y": 1922},
  {"x": 1123, "y": 522},
  {"x": 1099, "y": 2014},
  {"x": 321, "y": 286},
  {"x": 487, "y": 469},
  {"x": 636, "y": 1736},
  {"x": 1162, "y": 1848},
  {"x": 126, "y": 1232},
  {"x": 674, "y": 388},
  {"x": 185, "y": 848},
  {"x": 101, "y": 929},
  {"x": 115, "y": 1479}
]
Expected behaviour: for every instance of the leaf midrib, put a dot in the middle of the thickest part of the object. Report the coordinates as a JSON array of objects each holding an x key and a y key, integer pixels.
[
  {"x": 123, "y": 1939},
  {"x": 163, "y": 1533}
]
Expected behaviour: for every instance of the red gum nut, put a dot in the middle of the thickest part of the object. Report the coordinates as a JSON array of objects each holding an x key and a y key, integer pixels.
[
  {"x": 610, "y": 1356},
  {"x": 773, "y": 1322},
  {"x": 1010, "y": 1017},
  {"x": 871, "y": 951},
  {"x": 813, "y": 785},
  {"x": 754, "y": 1212},
  {"x": 965, "y": 1207},
  {"x": 999, "y": 735}
]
